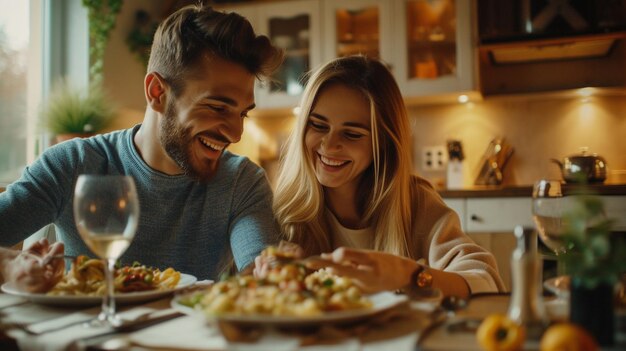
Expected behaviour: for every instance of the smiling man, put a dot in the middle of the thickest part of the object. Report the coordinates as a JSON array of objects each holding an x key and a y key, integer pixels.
[{"x": 199, "y": 203}]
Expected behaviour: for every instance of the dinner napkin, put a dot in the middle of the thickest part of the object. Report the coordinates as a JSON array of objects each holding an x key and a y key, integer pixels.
[
  {"x": 60, "y": 330},
  {"x": 396, "y": 329},
  {"x": 63, "y": 321}
]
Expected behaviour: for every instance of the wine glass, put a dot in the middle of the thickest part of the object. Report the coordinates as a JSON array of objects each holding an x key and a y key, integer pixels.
[
  {"x": 106, "y": 211},
  {"x": 548, "y": 208}
]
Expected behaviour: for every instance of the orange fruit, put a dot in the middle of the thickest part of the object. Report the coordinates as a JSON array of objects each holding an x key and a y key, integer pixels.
[
  {"x": 567, "y": 337},
  {"x": 499, "y": 333}
]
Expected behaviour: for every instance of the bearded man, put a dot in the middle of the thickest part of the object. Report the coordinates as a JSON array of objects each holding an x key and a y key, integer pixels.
[{"x": 201, "y": 206}]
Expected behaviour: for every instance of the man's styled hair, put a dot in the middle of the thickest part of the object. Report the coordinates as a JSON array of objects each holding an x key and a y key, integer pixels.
[{"x": 196, "y": 30}]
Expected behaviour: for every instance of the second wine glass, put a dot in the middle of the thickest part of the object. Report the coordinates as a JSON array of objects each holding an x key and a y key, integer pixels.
[{"x": 106, "y": 211}]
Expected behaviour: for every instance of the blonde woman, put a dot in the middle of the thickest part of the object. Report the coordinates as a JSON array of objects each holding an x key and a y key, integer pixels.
[{"x": 345, "y": 183}]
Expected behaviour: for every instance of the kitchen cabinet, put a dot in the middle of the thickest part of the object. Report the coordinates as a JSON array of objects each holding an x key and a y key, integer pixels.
[
  {"x": 493, "y": 215},
  {"x": 502, "y": 214},
  {"x": 498, "y": 214},
  {"x": 434, "y": 53},
  {"x": 294, "y": 26},
  {"x": 490, "y": 222},
  {"x": 615, "y": 207},
  {"x": 358, "y": 27},
  {"x": 536, "y": 46},
  {"x": 427, "y": 44}
]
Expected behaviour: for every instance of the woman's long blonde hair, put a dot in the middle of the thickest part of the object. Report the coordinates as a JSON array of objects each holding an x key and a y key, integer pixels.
[{"x": 384, "y": 191}]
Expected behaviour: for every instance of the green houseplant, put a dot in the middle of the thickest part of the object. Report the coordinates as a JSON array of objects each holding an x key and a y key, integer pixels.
[
  {"x": 594, "y": 256},
  {"x": 102, "y": 17},
  {"x": 595, "y": 261},
  {"x": 75, "y": 112},
  {"x": 71, "y": 112}
]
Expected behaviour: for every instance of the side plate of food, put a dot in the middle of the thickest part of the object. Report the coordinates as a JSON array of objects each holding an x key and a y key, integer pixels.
[
  {"x": 185, "y": 281},
  {"x": 83, "y": 284}
]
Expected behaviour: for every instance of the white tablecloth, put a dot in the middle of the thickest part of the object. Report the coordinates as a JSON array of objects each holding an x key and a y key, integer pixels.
[{"x": 37, "y": 327}]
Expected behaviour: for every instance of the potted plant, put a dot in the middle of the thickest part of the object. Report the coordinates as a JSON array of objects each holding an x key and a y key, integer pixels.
[
  {"x": 594, "y": 261},
  {"x": 72, "y": 112}
]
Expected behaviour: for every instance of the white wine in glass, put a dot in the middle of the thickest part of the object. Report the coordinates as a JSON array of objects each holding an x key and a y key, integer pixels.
[
  {"x": 106, "y": 211},
  {"x": 548, "y": 209}
]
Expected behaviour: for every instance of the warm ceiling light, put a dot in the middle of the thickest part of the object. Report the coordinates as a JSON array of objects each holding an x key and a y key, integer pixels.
[
  {"x": 585, "y": 92},
  {"x": 463, "y": 98}
]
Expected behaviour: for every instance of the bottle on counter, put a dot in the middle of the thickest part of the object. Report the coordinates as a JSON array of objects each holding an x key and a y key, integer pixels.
[
  {"x": 454, "y": 176},
  {"x": 526, "y": 305}
]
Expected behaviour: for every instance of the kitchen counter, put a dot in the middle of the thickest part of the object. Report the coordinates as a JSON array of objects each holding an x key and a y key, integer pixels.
[{"x": 527, "y": 191}]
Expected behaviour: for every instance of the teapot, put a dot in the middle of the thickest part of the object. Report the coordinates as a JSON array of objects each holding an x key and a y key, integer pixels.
[{"x": 582, "y": 167}]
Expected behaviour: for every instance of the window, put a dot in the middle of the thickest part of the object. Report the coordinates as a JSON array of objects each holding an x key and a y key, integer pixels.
[{"x": 14, "y": 45}]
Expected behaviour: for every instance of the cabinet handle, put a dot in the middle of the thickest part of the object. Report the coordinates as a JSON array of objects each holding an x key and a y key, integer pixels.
[{"x": 475, "y": 218}]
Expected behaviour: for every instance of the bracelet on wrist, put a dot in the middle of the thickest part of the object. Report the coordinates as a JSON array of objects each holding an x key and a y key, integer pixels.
[{"x": 420, "y": 282}]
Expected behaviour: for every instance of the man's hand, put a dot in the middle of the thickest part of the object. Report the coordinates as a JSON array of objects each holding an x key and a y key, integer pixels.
[
  {"x": 372, "y": 271},
  {"x": 35, "y": 269},
  {"x": 262, "y": 263}
]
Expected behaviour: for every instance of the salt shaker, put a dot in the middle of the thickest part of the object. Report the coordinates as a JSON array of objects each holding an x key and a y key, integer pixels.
[{"x": 526, "y": 305}]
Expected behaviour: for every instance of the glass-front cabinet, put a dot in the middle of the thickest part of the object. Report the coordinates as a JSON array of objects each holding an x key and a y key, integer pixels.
[
  {"x": 357, "y": 27},
  {"x": 426, "y": 43},
  {"x": 294, "y": 26},
  {"x": 435, "y": 55}
]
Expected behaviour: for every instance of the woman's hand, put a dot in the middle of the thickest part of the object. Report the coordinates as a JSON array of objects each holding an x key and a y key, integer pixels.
[
  {"x": 372, "y": 271},
  {"x": 262, "y": 263},
  {"x": 35, "y": 269}
]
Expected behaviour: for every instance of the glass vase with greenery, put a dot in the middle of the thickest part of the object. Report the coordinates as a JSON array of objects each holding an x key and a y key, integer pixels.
[
  {"x": 594, "y": 261},
  {"x": 595, "y": 256}
]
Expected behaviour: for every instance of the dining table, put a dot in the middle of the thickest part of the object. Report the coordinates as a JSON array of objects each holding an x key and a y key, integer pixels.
[{"x": 158, "y": 325}]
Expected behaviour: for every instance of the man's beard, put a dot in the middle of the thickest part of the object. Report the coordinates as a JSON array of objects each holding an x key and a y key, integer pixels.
[{"x": 177, "y": 143}]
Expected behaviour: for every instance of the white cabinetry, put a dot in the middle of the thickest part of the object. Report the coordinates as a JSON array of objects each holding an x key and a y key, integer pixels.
[
  {"x": 296, "y": 27},
  {"x": 458, "y": 205},
  {"x": 615, "y": 207},
  {"x": 493, "y": 215},
  {"x": 434, "y": 53},
  {"x": 490, "y": 222},
  {"x": 427, "y": 44},
  {"x": 358, "y": 27},
  {"x": 498, "y": 214}
]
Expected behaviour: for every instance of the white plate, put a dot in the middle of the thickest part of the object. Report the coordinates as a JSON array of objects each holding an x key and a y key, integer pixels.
[
  {"x": 380, "y": 302},
  {"x": 122, "y": 298},
  {"x": 558, "y": 285}
]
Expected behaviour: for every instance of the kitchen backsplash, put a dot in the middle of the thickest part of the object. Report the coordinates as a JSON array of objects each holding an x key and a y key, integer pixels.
[{"x": 538, "y": 129}]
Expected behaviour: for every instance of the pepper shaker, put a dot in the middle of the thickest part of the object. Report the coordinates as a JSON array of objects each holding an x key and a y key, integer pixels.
[{"x": 526, "y": 304}]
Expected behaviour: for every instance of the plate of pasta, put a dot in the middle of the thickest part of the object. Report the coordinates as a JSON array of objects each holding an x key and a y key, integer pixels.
[
  {"x": 289, "y": 296},
  {"x": 380, "y": 302},
  {"x": 83, "y": 284}
]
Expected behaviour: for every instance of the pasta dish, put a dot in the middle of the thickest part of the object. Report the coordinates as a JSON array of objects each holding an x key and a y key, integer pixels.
[
  {"x": 86, "y": 278},
  {"x": 288, "y": 290}
]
